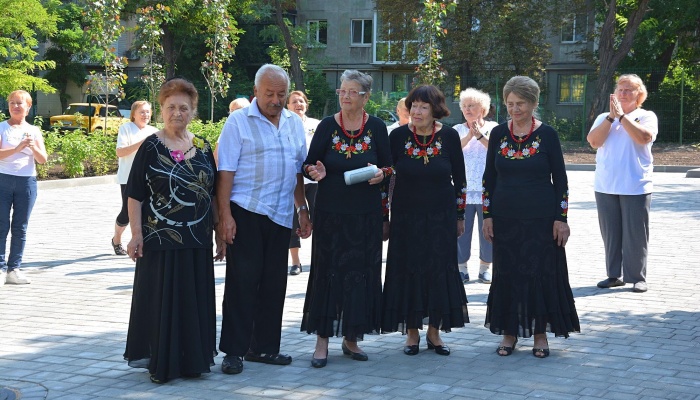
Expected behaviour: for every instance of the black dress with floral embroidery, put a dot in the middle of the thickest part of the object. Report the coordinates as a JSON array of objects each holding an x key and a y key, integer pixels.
[
  {"x": 422, "y": 278},
  {"x": 172, "y": 327},
  {"x": 525, "y": 191},
  {"x": 343, "y": 297}
]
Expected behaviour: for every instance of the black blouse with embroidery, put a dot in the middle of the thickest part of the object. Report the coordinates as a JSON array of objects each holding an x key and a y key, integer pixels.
[
  {"x": 339, "y": 153},
  {"x": 525, "y": 180},
  {"x": 432, "y": 176}
]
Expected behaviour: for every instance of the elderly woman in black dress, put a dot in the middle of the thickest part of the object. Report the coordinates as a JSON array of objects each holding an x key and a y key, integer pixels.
[
  {"x": 525, "y": 200},
  {"x": 427, "y": 216},
  {"x": 344, "y": 292},
  {"x": 172, "y": 328}
]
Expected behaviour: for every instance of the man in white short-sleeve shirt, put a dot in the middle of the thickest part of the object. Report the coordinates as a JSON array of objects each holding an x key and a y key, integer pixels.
[{"x": 261, "y": 150}]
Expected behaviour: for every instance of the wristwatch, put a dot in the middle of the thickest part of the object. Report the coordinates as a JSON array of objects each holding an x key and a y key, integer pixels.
[
  {"x": 620, "y": 117},
  {"x": 302, "y": 208},
  {"x": 481, "y": 136},
  {"x": 611, "y": 120}
]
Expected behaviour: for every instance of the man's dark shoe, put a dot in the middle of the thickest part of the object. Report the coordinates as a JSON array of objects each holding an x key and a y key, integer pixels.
[
  {"x": 274, "y": 359},
  {"x": 232, "y": 365},
  {"x": 610, "y": 283}
]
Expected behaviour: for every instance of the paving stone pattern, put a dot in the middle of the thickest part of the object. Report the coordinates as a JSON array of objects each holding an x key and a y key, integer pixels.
[{"x": 63, "y": 335}]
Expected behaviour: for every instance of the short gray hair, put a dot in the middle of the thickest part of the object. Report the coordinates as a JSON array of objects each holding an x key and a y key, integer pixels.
[
  {"x": 271, "y": 69},
  {"x": 365, "y": 80},
  {"x": 477, "y": 96},
  {"x": 524, "y": 87}
]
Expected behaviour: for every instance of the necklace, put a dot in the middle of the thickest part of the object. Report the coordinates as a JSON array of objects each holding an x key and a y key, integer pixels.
[
  {"x": 524, "y": 138},
  {"x": 362, "y": 127},
  {"x": 424, "y": 144}
]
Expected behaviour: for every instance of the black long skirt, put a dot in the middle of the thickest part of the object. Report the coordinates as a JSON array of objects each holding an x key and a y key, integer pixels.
[
  {"x": 530, "y": 291},
  {"x": 422, "y": 279},
  {"x": 172, "y": 327},
  {"x": 343, "y": 297}
]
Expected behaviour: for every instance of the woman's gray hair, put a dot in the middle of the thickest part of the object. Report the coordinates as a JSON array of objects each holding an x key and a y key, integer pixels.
[
  {"x": 476, "y": 95},
  {"x": 524, "y": 87},
  {"x": 365, "y": 80},
  {"x": 271, "y": 69}
]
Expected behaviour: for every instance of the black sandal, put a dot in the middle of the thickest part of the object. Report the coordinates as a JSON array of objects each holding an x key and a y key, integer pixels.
[
  {"x": 507, "y": 349},
  {"x": 544, "y": 353},
  {"x": 118, "y": 249}
]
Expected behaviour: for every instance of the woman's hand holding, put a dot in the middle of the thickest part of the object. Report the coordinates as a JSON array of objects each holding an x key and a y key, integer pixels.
[
  {"x": 378, "y": 177},
  {"x": 317, "y": 172},
  {"x": 487, "y": 229},
  {"x": 561, "y": 233},
  {"x": 305, "y": 227},
  {"x": 220, "y": 248},
  {"x": 135, "y": 247},
  {"x": 460, "y": 227}
]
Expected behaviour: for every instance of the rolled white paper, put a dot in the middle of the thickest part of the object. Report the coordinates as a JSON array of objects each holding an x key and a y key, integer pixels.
[{"x": 360, "y": 175}]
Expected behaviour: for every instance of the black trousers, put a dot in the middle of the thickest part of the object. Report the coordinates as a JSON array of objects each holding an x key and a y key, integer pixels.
[{"x": 256, "y": 285}]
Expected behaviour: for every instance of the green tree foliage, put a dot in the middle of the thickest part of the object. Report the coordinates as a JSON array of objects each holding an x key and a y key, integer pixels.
[
  {"x": 66, "y": 46},
  {"x": 21, "y": 25},
  {"x": 475, "y": 36},
  {"x": 622, "y": 19}
]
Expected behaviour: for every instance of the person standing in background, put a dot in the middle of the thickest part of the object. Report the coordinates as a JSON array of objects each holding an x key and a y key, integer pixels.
[
  {"x": 474, "y": 137},
  {"x": 298, "y": 103},
  {"x": 21, "y": 146},
  {"x": 129, "y": 139},
  {"x": 624, "y": 166}
]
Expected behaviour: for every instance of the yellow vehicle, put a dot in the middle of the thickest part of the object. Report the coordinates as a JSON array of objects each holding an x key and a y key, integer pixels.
[{"x": 92, "y": 117}]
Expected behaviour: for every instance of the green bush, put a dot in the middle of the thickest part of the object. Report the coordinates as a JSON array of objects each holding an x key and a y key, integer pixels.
[
  {"x": 74, "y": 151},
  {"x": 207, "y": 130}
]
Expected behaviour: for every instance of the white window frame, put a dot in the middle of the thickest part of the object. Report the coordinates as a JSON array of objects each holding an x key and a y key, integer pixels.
[
  {"x": 577, "y": 31},
  {"x": 315, "y": 33},
  {"x": 364, "y": 28},
  {"x": 390, "y": 43}
]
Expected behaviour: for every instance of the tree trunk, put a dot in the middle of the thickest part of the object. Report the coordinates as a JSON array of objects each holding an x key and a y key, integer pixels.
[
  {"x": 169, "y": 53},
  {"x": 295, "y": 64},
  {"x": 609, "y": 56}
]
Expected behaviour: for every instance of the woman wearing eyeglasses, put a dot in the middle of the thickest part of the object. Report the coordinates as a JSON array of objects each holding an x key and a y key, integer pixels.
[
  {"x": 129, "y": 139},
  {"x": 344, "y": 292}
]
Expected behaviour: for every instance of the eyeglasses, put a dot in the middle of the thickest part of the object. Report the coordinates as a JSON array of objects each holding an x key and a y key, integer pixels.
[
  {"x": 351, "y": 93},
  {"x": 144, "y": 113},
  {"x": 16, "y": 103},
  {"x": 626, "y": 91}
]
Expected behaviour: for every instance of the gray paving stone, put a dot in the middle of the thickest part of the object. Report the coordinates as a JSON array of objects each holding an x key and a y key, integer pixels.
[{"x": 67, "y": 329}]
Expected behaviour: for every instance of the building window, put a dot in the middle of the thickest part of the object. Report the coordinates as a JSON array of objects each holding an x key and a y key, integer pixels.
[
  {"x": 318, "y": 33},
  {"x": 571, "y": 89},
  {"x": 393, "y": 51},
  {"x": 361, "y": 32},
  {"x": 575, "y": 29}
]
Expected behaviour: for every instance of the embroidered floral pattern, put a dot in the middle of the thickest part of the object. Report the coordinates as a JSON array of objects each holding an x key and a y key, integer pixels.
[
  {"x": 485, "y": 200},
  {"x": 341, "y": 146},
  {"x": 416, "y": 152},
  {"x": 388, "y": 172},
  {"x": 462, "y": 200},
  {"x": 508, "y": 151},
  {"x": 564, "y": 204}
]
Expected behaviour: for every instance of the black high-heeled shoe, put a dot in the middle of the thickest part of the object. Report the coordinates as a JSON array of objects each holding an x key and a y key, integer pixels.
[
  {"x": 544, "y": 353},
  {"x": 412, "y": 349},
  {"x": 361, "y": 356},
  {"x": 507, "y": 349},
  {"x": 442, "y": 350},
  {"x": 319, "y": 362}
]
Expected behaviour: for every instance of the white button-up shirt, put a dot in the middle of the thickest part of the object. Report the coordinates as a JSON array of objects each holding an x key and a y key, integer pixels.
[{"x": 266, "y": 160}]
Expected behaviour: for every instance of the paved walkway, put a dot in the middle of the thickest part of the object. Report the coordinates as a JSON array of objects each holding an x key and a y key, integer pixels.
[{"x": 63, "y": 336}]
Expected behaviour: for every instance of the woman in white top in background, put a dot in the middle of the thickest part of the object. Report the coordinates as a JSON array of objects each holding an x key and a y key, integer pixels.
[
  {"x": 129, "y": 139},
  {"x": 298, "y": 103},
  {"x": 622, "y": 184},
  {"x": 474, "y": 135},
  {"x": 21, "y": 144}
]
